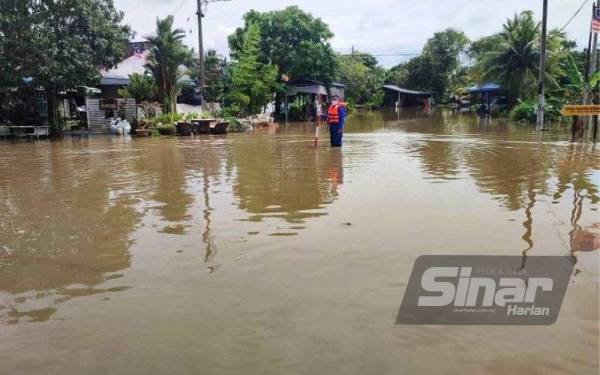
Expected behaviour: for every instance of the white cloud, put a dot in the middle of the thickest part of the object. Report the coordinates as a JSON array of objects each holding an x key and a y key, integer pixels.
[{"x": 381, "y": 27}]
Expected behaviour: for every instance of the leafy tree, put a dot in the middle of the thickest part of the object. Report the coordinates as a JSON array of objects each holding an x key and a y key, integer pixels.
[
  {"x": 167, "y": 55},
  {"x": 214, "y": 67},
  {"x": 59, "y": 44},
  {"x": 363, "y": 78},
  {"x": 252, "y": 82},
  {"x": 476, "y": 53},
  {"x": 574, "y": 85},
  {"x": 480, "y": 47},
  {"x": 292, "y": 40},
  {"x": 397, "y": 75},
  {"x": 514, "y": 60},
  {"x": 17, "y": 36},
  {"x": 141, "y": 87},
  {"x": 579, "y": 57},
  {"x": 414, "y": 74},
  {"x": 419, "y": 70},
  {"x": 444, "y": 50},
  {"x": 436, "y": 68}
]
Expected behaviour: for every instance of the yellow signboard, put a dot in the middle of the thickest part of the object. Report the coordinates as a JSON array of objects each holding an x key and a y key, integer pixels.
[{"x": 580, "y": 110}]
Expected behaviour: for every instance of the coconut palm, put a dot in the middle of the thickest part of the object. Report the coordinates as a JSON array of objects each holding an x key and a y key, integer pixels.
[
  {"x": 167, "y": 55},
  {"x": 514, "y": 60}
]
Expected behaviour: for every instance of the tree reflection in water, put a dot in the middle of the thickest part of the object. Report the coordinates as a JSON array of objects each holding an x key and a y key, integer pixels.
[
  {"x": 514, "y": 167},
  {"x": 66, "y": 217}
]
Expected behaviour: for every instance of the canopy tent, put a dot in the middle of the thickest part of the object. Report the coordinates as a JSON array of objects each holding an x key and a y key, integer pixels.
[{"x": 488, "y": 97}]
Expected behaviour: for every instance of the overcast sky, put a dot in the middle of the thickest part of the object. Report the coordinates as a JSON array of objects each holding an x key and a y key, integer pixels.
[{"x": 382, "y": 27}]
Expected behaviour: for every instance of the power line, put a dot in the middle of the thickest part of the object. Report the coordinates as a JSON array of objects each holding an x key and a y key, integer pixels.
[
  {"x": 178, "y": 8},
  {"x": 398, "y": 55},
  {"x": 202, "y": 4},
  {"x": 574, "y": 15},
  {"x": 357, "y": 54}
]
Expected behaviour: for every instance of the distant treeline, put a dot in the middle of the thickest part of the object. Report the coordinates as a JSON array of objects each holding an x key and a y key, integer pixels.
[{"x": 59, "y": 48}]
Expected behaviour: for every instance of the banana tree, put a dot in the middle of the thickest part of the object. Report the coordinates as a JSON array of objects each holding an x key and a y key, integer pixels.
[{"x": 575, "y": 87}]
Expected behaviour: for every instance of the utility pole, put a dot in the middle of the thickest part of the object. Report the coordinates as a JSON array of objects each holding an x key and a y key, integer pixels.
[
  {"x": 591, "y": 68},
  {"x": 588, "y": 57},
  {"x": 590, "y": 65},
  {"x": 590, "y": 61},
  {"x": 540, "y": 125},
  {"x": 202, "y": 78},
  {"x": 200, "y": 4}
]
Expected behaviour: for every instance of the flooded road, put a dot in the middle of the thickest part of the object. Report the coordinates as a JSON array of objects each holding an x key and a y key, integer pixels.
[{"x": 255, "y": 253}]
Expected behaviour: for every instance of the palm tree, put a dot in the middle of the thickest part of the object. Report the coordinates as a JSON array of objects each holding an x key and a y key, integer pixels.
[
  {"x": 167, "y": 55},
  {"x": 514, "y": 60},
  {"x": 141, "y": 87}
]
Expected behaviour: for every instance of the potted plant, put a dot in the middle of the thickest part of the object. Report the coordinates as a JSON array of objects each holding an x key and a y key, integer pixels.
[{"x": 141, "y": 129}]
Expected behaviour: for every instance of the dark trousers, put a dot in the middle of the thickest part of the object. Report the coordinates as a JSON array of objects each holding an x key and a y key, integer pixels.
[{"x": 336, "y": 132}]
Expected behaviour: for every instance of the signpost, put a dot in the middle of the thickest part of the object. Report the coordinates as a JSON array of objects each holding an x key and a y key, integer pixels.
[{"x": 581, "y": 110}]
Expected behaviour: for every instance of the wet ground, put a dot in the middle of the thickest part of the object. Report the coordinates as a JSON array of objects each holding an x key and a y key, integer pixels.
[{"x": 257, "y": 254}]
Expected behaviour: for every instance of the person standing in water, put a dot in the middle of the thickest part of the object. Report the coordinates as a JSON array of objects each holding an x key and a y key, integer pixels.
[{"x": 336, "y": 117}]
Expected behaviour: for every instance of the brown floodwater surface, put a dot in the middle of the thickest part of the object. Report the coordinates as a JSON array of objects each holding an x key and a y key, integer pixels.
[{"x": 257, "y": 253}]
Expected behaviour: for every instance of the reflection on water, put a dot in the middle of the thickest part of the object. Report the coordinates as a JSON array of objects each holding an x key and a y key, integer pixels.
[
  {"x": 105, "y": 217},
  {"x": 514, "y": 167},
  {"x": 65, "y": 217},
  {"x": 284, "y": 177}
]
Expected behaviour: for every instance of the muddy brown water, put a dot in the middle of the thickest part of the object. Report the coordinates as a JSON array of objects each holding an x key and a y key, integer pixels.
[{"x": 257, "y": 254}]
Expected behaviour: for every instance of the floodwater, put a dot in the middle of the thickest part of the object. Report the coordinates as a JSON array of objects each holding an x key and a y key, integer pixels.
[{"x": 257, "y": 254}]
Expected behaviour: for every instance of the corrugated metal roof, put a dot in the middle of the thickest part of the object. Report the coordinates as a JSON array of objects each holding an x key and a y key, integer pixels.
[
  {"x": 119, "y": 75},
  {"x": 132, "y": 64},
  {"x": 298, "y": 82},
  {"x": 114, "y": 81},
  {"x": 406, "y": 91},
  {"x": 486, "y": 87}
]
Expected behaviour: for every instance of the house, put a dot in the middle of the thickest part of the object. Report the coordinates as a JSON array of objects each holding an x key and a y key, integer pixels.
[
  {"x": 395, "y": 96},
  {"x": 301, "y": 95},
  {"x": 312, "y": 87},
  {"x": 118, "y": 77}
]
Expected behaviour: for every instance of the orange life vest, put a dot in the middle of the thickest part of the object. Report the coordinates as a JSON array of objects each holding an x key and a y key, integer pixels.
[{"x": 333, "y": 114}]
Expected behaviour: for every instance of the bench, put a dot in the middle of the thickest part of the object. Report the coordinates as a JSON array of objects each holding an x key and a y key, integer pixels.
[
  {"x": 29, "y": 131},
  {"x": 202, "y": 126}
]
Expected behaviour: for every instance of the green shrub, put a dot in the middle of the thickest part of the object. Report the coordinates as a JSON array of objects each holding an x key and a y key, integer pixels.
[
  {"x": 167, "y": 118},
  {"x": 350, "y": 107},
  {"x": 235, "y": 126},
  {"x": 524, "y": 111},
  {"x": 527, "y": 111},
  {"x": 191, "y": 116},
  {"x": 168, "y": 129},
  {"x": 228, "y": 112},
  {"x": 207, "y": 115}
]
